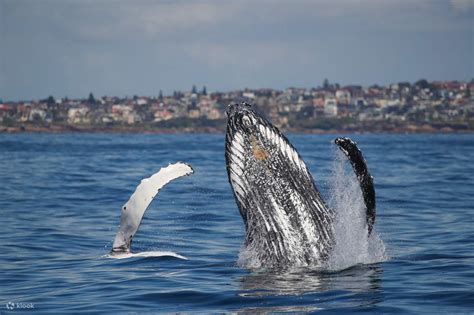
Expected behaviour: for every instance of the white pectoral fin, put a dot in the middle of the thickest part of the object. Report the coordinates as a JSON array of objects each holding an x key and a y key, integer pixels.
[{"x": 134, "y": 209}]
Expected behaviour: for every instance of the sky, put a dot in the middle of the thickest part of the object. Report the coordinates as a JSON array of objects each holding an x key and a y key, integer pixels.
[{"x": 124, "y": 48}]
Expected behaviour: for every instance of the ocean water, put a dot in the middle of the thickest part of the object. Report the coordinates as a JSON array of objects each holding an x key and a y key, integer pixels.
[{"x": 60, "y": 202}]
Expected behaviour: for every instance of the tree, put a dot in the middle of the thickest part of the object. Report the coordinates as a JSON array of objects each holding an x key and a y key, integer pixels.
[
  {"x": 422, "y": 84},
  {"x": 50, "y": 100},
  {"x": 403, "y": 84},
  {"x": 305, "y": 112},
  {"x": 326, "y": 84},
  {"x": 91, "y": 99}
]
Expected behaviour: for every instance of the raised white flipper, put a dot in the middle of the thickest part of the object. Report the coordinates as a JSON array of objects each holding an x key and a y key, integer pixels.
[{"x": 134, "y": 209}]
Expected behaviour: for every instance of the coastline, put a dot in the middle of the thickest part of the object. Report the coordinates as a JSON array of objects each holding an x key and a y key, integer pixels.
[{"x": 54, "y": 128}]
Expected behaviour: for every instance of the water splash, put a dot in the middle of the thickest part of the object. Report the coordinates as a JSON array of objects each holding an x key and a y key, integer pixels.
[
  {"x": 248, "y": 258},
  {"x": 352, "y": 244}
]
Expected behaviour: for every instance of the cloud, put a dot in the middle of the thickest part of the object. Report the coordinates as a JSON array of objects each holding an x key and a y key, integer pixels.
[
  {"x": 146, "y": 45},
  {"x": 181, "y": 21},
  {"x": 462, "y": 5},
  {"x": 120, "y": 20},
  {"x": 251, "y": 55}
]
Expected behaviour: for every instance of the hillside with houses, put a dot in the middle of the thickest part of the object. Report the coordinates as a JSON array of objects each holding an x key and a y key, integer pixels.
[{"x": 422, "y": 106}]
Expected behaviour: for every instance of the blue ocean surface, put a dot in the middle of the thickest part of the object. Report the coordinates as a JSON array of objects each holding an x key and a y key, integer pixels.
[{"x": 60, "y": 202}]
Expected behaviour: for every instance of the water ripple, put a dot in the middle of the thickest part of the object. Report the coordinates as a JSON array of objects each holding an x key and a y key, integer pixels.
[{"x": 60, "y": 204}]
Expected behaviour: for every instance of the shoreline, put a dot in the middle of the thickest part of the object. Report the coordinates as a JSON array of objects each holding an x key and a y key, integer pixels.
[{"x": 409, "y": 129}]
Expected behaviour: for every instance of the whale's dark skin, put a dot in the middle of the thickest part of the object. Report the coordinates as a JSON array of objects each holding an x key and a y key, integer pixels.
[{"x": 287, "y": 222}]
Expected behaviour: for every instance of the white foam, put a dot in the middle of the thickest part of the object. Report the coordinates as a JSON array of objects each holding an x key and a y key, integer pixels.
[
  {"x": 154, "y": 253},
  {"x": 353, "y": 246}
]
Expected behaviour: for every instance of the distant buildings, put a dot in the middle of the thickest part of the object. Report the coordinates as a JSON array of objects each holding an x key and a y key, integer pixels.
[{"x": 438, "y": 103}]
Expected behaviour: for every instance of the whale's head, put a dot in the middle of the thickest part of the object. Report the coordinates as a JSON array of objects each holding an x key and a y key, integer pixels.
[
  {"x": 255, "y": 135},
  {"x": 274, "y": 190},
  {"x": 244, "y": 118},
  {"x": 256, "y": 150}
]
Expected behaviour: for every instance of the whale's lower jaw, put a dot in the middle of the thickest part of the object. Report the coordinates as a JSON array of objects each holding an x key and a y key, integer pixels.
[
  {"x": 287, "y": 228},
  {"x": 271, "y": 250},
  {"x": 256, "y": 256},
  {"x": 287, "y": 222}
]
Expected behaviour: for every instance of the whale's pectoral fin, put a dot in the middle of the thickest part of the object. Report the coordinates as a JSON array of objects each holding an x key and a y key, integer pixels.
[
  {"x": 366, "y": 181},
  {"x": 134, "y": 209}
]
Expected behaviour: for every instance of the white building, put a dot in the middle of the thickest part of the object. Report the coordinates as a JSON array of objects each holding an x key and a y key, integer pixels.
[
  {"x": 78, "y": 115},
  {"x": 330, "y": 107},
  {"x": 37, "y": 114},
  {"x": 343, "y": 96},
  {"x": 249, "y": 95},
  {"x": 141, "y": 102}
]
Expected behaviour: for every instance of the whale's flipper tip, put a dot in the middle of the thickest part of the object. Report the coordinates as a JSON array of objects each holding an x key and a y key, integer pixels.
[
  {"x": 186, "y": 166},
  {"x": 134, "y": 209},
  {"x": 346, "y": 144}
]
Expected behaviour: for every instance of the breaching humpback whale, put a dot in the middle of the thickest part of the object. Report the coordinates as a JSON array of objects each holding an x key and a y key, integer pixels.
[
  {"x": 287, "y": 222},
  {"x": 134, "y": 209}
]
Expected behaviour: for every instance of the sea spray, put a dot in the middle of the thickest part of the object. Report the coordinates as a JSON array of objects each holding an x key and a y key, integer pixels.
[{"x": 352, "y": 244}]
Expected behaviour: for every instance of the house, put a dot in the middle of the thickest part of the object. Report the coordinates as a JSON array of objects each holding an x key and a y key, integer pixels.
[
  {"x": 78, "y": 115},
  {"x": 249, "y": 95},
  {"x": 213, "y": 113},
  {"x": 132, "y": 118},
  {"x": 141, "y": 102},
  {"x": 4, "y": 109},
  {"x": 194, "y": 113},
  {"x": 37, "y": 114},
  {"x": 343, "y": 96},
  {"x": 330, "y": 107},
  {"x": 163, "y": 114}
]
